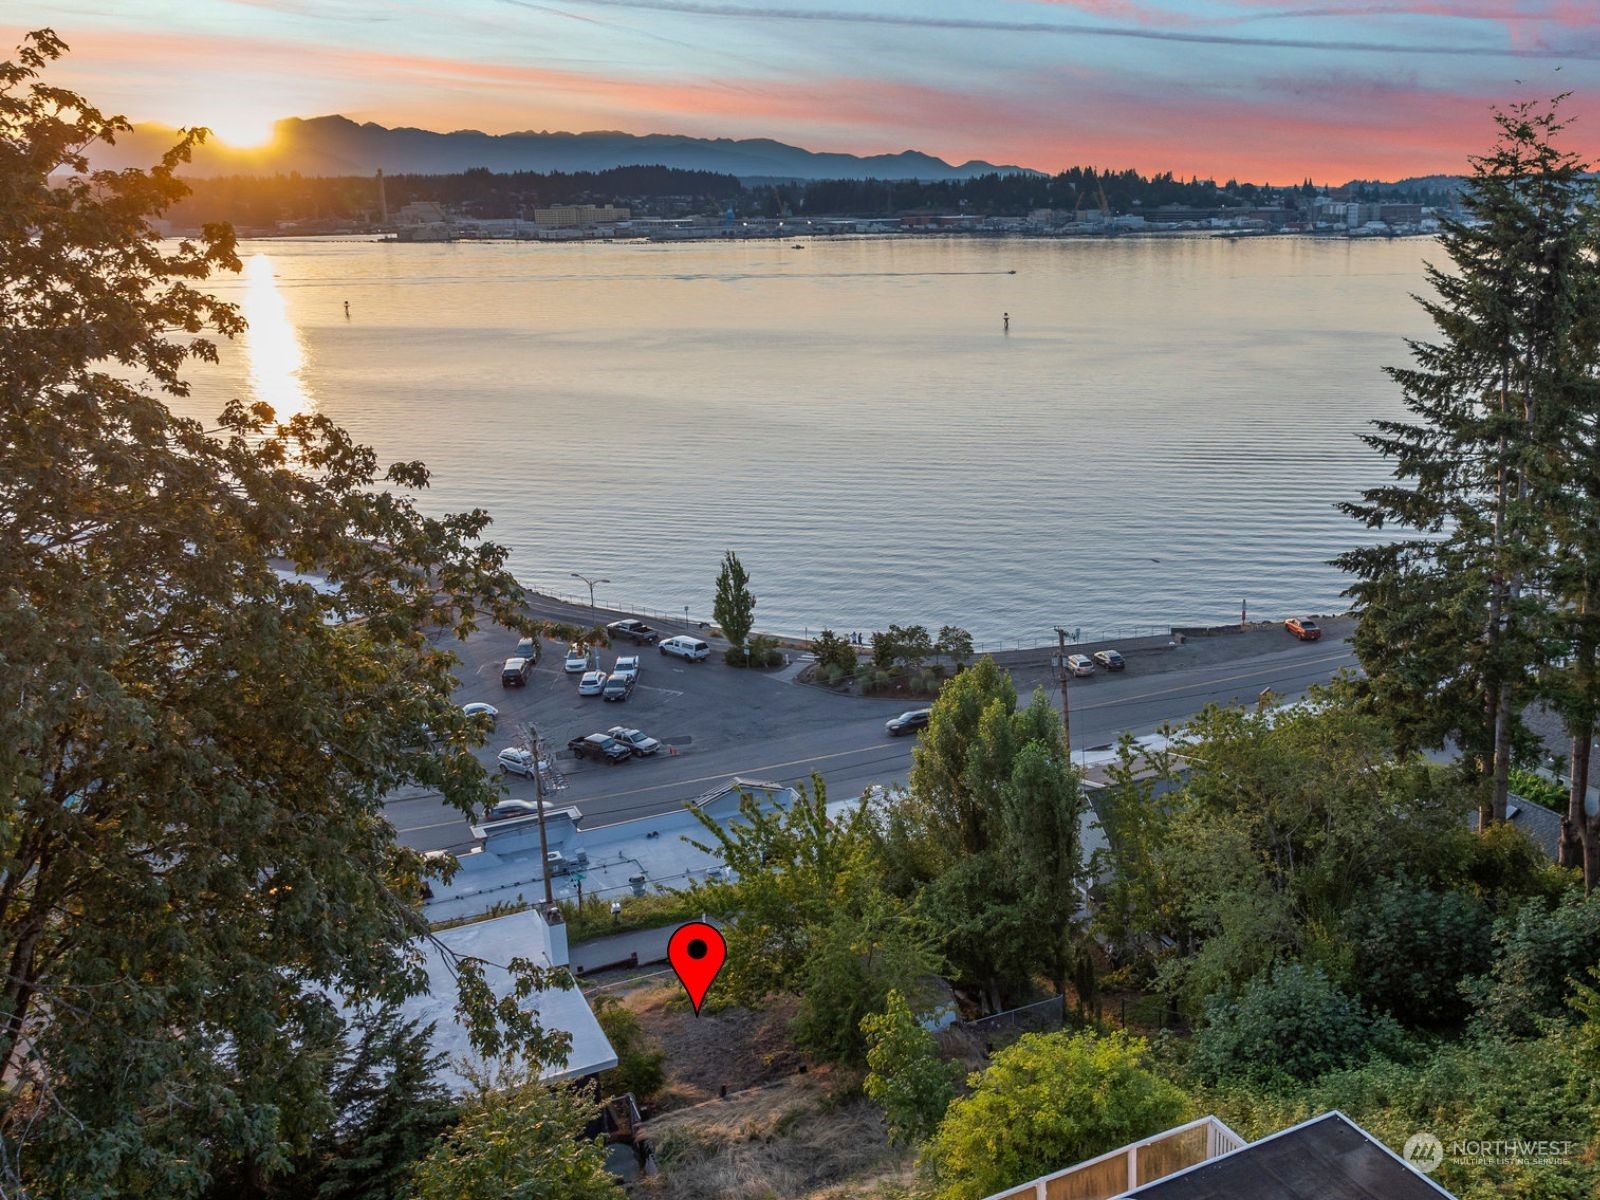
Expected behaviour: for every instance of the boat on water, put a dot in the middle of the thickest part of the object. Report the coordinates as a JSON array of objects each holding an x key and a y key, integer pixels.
[{"x": 797, "y": 246}]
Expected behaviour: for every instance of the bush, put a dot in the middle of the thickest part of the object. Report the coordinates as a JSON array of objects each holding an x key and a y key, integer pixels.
[
  {"x": 1538, "y": 952},
  {"x": 835, "y": 656},
  {"x": 1291, "y": 1024},
  {"x": 764, "y": 651},
  {"x": 906, "y": 1077},
  {"x": 1539, "y": 790},
  {"x": 1413, "y": 948},
  {"x": 639, "y": 1068},
  {"x": 1047, "y": 1101}
]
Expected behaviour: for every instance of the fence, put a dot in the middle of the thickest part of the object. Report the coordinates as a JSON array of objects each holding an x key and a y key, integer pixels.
[
  {"x": 1133, "y": 1165},
  {"x": 1046, "y": 1014}
]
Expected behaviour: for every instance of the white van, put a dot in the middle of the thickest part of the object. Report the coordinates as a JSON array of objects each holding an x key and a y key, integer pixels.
[{"x": 692, "y": 649}]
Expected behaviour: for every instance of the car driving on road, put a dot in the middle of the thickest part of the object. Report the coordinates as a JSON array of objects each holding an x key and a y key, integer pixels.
[
  {"x": 598, "y": 746},
  {"x": 641, "y": 743},
  {"x": 1080, "y": 664},
  {"x": 908, "y": 722},
  {"x": 1110, "y": 660},
  {"x": 1303, "y": 628},
  {"x": 636, "y": 632}
]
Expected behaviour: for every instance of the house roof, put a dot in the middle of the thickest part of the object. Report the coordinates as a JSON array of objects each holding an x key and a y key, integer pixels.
[
  {"x": 1326, "y": 1158},
  {"x": 495, "y": 943}
]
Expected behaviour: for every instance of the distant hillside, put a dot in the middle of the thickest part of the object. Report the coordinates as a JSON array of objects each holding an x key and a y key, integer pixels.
[{"x": 325, "y": 146}]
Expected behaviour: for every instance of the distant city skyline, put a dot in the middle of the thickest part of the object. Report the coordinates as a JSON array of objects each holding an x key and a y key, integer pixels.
[{"x": 1264, "y": 90}]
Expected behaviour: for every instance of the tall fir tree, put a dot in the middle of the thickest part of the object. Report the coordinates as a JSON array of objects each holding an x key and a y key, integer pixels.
[{"x": 1457, "y": 616}]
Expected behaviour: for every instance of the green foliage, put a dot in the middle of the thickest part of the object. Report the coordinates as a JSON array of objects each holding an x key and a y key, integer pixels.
[
  {"x": 734, "y": 607},
  {"x": 806, "y": 914},
  {"x": 1536, "y": 789},
  {"x": 1539, "y": 951},
  {"x": 901, "y": 648},
  {"x": 1459, "y": 615},
  {"x": 764, "y": 651},
  {"x": 1046, "y": 1102},
  {"x": 518, "y": 1139},
  {"x": 1413, "y": 947},
  {"x": 1471, "y": 1090},
  {"x": 906, "y": 1077},
  {"x": 391, "y": 1109},
  {"x": 1292, "y": 1024},
  {"x": 955, "y": 643},
  {"x": 1287, "y": 820},
  {"x": 194, "y": 751},
  {"x": 650, "y": 911},
  {"x": 835, "y": 654},
  {"x": 640, "y": 1065}
]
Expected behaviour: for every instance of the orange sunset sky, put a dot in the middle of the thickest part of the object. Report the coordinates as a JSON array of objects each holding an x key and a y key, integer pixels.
[{"x": 1267, "y": 90}]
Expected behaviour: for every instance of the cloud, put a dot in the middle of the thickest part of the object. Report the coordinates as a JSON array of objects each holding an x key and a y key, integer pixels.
[{"x": 709, "y": 8}]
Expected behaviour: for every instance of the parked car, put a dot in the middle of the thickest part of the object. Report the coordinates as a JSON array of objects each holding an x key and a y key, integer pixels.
[
  {"x": 1303, "y": 628},
  {"x": 636, "y": 632},
  {"x": 516, "y": 672},
  {"x": 636, "y": 740},
  {"x": 517, "y": 762},
  {"x": 627, "y": 666},
  {"x": 479, "y": 711},
  {"x": 600, "y": 745},
  {"x": 577, "y": 660},
  {"x": 512, "y": 808},
  {"x": 1080, "y": 664},
  {"x": 1110, "y": 660},
  {"x": 617, "y": 687},
  {"x": 687, "y": 648},
  {"x": 592, "y": 684},
  {"x": 907, "y": 722},
  {"x": 528, "y": 648}
]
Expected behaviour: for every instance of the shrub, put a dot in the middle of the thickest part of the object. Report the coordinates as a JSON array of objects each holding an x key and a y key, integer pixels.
[
  {"x": 639, "y": 1068},
  {"x": 834, "y": 655},
  {"x": 1538, "y": 952},
  {"x": 1413, "y": 948},
  {"x": 1537, "y": 789},
  {"x": 906, "y": 1077},
  {"x": 764, "y": 651},
  {"x": 1290, "y": 1024},
  {"x": 1047, "y": 1101}
]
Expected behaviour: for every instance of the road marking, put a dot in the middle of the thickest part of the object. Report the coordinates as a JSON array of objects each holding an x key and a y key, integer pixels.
[{"x": 1184, "y": 687}]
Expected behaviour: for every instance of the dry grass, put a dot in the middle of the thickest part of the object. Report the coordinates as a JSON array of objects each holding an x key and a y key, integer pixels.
[{"x": 796, "y": 1138}]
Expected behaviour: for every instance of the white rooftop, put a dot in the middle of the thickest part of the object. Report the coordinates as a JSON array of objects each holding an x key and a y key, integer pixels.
[
  {"x": 610, "y": 862},
  {"x": 495, "y": 943}
]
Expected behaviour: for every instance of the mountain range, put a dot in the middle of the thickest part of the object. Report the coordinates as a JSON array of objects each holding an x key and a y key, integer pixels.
[{"x": 339, "y": 146}]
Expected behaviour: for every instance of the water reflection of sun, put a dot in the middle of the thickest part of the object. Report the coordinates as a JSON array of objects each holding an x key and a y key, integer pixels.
[{"x": 272, "y": 344}]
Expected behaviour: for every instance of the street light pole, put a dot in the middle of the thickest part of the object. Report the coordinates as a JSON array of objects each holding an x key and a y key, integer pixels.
[
  {"x": 532, "y": 738},
  {"x": 591, "y": 583},
  {"x": 1066, "y": 710}
]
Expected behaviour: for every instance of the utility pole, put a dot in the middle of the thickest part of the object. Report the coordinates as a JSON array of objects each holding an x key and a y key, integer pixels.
[
  {"x": 1066, "y": 710},
  {"x": 538, "y": 799}
]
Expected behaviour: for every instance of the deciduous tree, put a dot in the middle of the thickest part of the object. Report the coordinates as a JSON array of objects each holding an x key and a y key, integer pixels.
[
  {"x": 735, "y": 606},
  {"x": 194, "y": 749}
]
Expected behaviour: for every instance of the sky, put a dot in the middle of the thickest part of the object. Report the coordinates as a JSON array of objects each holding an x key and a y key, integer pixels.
[{"x": 1263, "y": 90}]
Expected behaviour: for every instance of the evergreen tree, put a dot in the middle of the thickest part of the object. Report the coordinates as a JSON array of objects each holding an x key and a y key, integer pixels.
[{"x": 1454, "y": 622}]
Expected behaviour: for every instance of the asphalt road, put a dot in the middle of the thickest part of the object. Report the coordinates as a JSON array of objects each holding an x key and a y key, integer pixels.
[{"x": 724, "y": 723}]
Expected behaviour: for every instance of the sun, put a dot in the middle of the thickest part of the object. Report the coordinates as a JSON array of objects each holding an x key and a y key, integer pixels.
[{"x": 241, "y": 130}]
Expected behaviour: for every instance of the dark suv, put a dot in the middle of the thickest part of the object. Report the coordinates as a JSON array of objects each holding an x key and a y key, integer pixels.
[
  {"x": 635, "y": 631},
  {"x": 516, "y": 672},
  {"x": 600, "y": 745}
]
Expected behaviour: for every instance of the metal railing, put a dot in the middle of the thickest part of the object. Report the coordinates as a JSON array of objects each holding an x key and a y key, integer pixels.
[{"x": 1121, "y": 1171}]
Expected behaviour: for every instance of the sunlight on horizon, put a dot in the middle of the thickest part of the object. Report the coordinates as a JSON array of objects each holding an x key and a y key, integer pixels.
[
  {"x": 243, "y": 131},
  {"x": 272, "y": 343}
]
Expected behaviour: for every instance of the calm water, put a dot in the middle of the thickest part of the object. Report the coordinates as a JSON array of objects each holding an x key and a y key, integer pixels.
[{"x": 853, "y": 421}]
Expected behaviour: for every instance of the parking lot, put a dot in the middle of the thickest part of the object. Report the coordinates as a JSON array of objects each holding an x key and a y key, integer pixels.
[
  {"x": 714, "y": 722},
  {"x": 718, "y": 722}
]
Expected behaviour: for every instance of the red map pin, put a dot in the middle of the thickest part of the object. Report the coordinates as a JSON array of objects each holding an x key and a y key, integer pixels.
[{"x": 697, "y": 953}]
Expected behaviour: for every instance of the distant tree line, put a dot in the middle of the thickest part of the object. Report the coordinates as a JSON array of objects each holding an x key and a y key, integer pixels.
[{"x": 257, "y": 201}]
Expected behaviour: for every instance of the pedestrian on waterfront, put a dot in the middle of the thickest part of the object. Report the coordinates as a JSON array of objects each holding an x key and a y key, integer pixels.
[
  {"x": 1006, "y": 317},
  {"x": 347, "y": 309}
]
